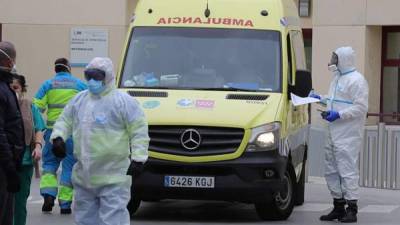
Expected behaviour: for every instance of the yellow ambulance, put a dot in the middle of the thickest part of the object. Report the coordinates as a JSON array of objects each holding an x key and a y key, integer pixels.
[{"x": 215, "y": 80}]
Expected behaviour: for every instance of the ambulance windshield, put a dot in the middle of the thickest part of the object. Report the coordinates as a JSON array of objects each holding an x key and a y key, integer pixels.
[{"x": 203, "y": 59}]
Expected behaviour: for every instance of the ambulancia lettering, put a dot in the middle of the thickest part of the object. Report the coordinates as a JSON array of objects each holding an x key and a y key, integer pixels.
[{"x": 213, "y": 21}]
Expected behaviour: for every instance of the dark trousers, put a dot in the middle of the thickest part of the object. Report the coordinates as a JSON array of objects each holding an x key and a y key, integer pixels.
[{"x": 6, "y": 202}]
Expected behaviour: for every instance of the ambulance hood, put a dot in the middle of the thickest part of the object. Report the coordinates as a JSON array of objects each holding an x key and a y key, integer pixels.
[{"x": 206, "y": 108}]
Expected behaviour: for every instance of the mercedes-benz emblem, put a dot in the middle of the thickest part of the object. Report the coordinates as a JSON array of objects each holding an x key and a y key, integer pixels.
[{"x": 191, "y": 139}]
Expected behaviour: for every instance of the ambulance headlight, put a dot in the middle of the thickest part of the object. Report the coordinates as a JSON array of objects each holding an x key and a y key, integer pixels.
[{"x": 264, "y": 138}]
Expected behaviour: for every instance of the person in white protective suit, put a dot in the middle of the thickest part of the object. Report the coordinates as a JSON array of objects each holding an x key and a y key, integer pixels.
[
  {"x": 347, "y": 104},
  {"x": 109, "y": 130}
]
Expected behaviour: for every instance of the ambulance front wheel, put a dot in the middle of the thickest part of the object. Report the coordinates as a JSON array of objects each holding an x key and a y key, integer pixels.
[{"x": 282, "y": 204}]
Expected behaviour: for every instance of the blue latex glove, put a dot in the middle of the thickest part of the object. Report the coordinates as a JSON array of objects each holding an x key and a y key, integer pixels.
[
  {"x": 332, "y": 116},
  {"x": 315, "y": 96}
]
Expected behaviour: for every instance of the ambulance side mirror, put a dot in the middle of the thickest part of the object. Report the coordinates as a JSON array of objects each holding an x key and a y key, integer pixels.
[{"x": 303, "y": 84}]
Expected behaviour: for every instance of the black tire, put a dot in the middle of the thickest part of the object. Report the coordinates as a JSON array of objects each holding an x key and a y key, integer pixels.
[
  {"x": 133, "y": 206},
  {"x": 281, "y": 207},
  {"x": 301, "y": 186}
]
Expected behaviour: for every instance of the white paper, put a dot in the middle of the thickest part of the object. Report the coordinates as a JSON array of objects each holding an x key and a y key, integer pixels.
[{"x": 296, "y": 100}]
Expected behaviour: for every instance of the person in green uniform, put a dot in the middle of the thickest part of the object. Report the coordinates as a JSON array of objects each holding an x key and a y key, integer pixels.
[{"x": 34, "y": 126}]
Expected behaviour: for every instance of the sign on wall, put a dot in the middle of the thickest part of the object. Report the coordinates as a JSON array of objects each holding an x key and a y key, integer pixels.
[{"x": 87, "y": 43}]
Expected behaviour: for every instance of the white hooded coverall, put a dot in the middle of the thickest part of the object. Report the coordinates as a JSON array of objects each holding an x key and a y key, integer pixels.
[
  {"x": 348, "y": 95},
  {"x": 104, "y": 128}
]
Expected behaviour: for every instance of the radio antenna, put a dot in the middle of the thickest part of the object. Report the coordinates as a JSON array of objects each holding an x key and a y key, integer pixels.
[{"x": 207, "y": 12}]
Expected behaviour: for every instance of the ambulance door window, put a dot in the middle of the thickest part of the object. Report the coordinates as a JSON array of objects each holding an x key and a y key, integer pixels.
[
  {"x": 290, "y": 60},
  {"x": 298, "y": 50}
]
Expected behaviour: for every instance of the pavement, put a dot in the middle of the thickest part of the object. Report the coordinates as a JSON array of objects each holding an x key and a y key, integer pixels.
[{"x": 377, "y": 207}]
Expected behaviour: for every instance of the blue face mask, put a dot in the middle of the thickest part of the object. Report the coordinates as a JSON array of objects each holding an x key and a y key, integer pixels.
[{"x": 96, "y": 86}]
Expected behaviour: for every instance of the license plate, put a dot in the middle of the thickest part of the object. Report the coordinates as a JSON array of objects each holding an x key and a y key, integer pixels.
[{"x": 189, "y": 182}]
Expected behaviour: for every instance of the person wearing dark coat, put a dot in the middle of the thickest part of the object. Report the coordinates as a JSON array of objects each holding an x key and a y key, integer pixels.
[{"x": 12, "y": 137}]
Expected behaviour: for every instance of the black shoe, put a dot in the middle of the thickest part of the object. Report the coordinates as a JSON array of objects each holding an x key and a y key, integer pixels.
[
  {"x": 351, "y": 212},
  {"x": 66, "y": 211},
  {"x": 338, "y": 211},
  {"x": 48, "y": 203}
]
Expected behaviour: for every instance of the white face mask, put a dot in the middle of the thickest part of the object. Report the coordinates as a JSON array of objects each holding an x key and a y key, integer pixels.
[
  {"x": 332, "y": 68},
  {"x": 14, "y": 69}
]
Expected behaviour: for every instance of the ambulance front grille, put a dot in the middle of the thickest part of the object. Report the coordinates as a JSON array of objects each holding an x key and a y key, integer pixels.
[
  {"x": 214, "y": 140},
  {"x": 247, "y": 97},
  {"x": 152, "y": 94}
]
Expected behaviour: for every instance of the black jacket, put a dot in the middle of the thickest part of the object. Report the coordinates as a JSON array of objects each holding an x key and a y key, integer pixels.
[{"x": 12, "y": 141}]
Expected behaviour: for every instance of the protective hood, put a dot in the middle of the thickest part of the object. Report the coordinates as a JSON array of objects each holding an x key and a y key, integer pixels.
[
  {"x": 106, "y": 65},
  {"x": 346, "y": 57}
]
